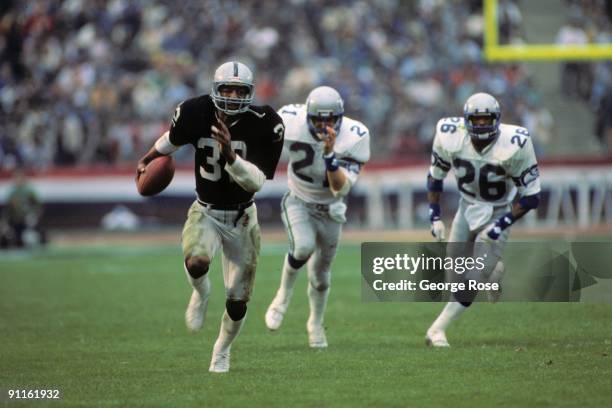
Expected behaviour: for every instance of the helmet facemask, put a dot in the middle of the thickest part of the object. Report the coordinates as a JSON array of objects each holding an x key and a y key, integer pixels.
[
  {"x": 482, "y": 132},
  {"x": 317, "y": 124},
  {"x": 228, "y": 105}
]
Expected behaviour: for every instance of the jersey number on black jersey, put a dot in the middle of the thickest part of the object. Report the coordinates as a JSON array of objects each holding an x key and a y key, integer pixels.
[{"x": 211, "y": 170}]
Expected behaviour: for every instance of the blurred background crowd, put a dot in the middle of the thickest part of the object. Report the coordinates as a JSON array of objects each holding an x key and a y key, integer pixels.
[{"x": 96, "y": 82}]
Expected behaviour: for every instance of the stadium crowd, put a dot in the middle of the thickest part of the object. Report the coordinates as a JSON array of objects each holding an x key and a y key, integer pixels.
[
  {"x": 589, "y": 21},
  {"x": 87, "y": 82}
]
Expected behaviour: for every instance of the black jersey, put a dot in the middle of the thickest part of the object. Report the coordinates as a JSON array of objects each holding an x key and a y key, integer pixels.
[{"x": 257, "y": 136}]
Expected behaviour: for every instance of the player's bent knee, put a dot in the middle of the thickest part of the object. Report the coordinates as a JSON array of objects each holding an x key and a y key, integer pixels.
[
  {"x": 236, "y": 309},
  {"x": 465, "y": 298},
  {"x": 302, "y": 253},
  {"x": 320, "y": 286},
  {"x": 197, "y": 266},
  {"x": 296, "y": 263}
]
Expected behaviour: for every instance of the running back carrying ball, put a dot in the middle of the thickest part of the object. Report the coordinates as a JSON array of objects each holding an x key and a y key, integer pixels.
[{"x": 156, "y": 177}]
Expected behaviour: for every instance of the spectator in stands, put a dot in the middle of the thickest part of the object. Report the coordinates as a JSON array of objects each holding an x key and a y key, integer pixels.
[
  {"x": 540, "y": 122},
  {"x": 603, "y": 125},
  {"x": 19, "y": 225},
  {"x": 576, "y": 77},
  {"x": 510, "y": 22}
]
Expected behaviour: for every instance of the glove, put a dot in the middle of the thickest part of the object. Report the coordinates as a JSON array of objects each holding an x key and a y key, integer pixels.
[
  {"x": 493, "y": 231},
  {"x": 490, "y": 233},
  {"x": 438, "y": 230}
]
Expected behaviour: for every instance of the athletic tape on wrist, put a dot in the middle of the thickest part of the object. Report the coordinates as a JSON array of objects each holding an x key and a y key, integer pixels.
[
  {"x": 331, "y": 163},
  {"x": 434, "y": 211}
]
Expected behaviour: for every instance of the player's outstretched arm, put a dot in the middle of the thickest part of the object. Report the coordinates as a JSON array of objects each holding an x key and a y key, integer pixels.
[{"x": 520, "y": 207}]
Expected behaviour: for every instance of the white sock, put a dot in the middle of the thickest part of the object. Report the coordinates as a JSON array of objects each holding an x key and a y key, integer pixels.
[
  {"x": 451, "y": 311},
  {"x": 318, "y": 302},
  {"x": 201, "y": 284},
  {"x": 228, "y": 332},
  {"x": 287, "y": 283}
]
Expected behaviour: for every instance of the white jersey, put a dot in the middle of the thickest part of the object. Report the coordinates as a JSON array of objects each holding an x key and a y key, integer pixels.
[
  {"x": 493, "y": 175},
  {"x": 306, "y": 170}
]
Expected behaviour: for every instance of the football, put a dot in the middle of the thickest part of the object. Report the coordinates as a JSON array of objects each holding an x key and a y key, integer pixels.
[{"x": 157, "y": 176}]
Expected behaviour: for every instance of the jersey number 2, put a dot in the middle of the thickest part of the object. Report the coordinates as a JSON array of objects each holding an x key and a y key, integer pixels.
[
  {"x": 306, "y": 161},
  {"x": 211, "y": 170}
]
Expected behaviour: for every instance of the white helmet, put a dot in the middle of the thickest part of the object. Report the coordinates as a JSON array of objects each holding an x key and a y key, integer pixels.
[
  {"x": 232, "y": 73},
  {"x": 324, "y": 102},
  {"x": 479, "y": 105}
]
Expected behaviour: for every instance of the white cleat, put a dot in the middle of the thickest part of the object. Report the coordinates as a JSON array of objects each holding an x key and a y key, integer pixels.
[
  {"x": 316, "y": 337},
  {"x": 496, "y": 277},
  {"x": 196, "y": 310},
  {"x": 436, "y": 338},
  {"x": 275, "y": 314},
  {"x": 220, "y": 362}
]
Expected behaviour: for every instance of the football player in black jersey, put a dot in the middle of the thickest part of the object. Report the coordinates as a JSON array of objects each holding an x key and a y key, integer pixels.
[{"x": 238, "y": 146}]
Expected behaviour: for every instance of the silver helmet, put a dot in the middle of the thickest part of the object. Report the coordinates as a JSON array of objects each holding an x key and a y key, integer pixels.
[
  {"x": 236, "y": 74},
  {"x": 482, "y": 105},
  {"x": 324, "y": 102}
]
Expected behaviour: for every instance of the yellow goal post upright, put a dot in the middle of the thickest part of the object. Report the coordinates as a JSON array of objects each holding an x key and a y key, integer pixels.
[{"x": 494, "y": 52}]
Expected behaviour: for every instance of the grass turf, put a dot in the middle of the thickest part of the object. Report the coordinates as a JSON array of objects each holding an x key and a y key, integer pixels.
[{"x": 105, "y": 326}]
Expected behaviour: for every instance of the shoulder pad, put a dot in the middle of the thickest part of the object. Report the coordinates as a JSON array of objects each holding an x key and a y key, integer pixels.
[
  {"x": 291, "y": 108},
  {"x": 353, "y": 141},
  {"x": 186, "y": 108},
  {"x": 511, "y": 141},
  {"x": 197, "y": 103},
  {"x": 451, "y": 133},
  {"x": 290, "y": 113},
  {"x": 294, "y": 119},
  {"x": 275, "y": 122},
  {"x": 260, "y": 111}
]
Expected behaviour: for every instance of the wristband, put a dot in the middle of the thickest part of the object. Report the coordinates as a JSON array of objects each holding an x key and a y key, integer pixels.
[
  {"x": 505, "y": 221},
  {"x": 500, "y": 225},
  {"x": 331, "y": 163},
  {"x": 434, "y": 212}
]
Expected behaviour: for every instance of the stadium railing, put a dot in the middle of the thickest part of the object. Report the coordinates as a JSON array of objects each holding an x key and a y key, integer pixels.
[{"x": 576, "y": 194}]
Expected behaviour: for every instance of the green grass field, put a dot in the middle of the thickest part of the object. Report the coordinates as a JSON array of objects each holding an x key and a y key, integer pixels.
[{"x": 105, "y": 326}]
